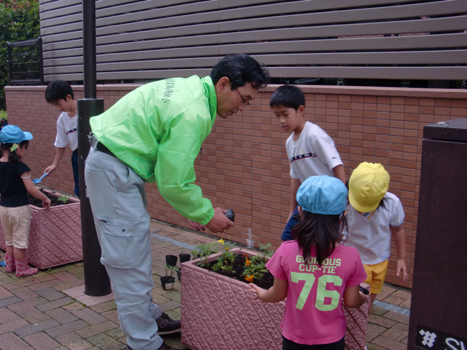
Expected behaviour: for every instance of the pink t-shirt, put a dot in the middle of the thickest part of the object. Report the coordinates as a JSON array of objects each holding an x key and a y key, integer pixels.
[{"x": 313, "y": 311}]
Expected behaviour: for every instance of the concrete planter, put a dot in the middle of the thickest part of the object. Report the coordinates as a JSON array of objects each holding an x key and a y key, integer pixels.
[
  {"x": 218, "y": 313},
  {"x": 55, "y": 237}
]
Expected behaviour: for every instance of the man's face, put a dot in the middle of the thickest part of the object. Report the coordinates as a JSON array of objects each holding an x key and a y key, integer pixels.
[{"x": 230, "y": 101}]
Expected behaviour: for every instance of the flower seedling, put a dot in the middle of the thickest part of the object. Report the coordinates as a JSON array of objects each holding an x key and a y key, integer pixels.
[
  {"x": 226, "y": 260},
  {"x": 203, "y": 251},
  {"x": 63, "y": 199},
  {"x": 255, "y": 266}
]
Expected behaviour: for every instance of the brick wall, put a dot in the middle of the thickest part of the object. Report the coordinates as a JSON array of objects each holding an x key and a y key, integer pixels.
[{"x": 243, "y": 164}]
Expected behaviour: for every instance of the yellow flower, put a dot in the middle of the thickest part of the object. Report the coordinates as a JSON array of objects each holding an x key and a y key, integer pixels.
[
  {"x": 249, "y": 278},
  {"x": 221, "y": 241},
  {"x": 226, "y": 248},
  {"x": 247, "y": 262}
]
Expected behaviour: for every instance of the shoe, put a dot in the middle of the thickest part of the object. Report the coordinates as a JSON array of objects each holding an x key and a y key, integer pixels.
[
  {"x": 22, "y": 268},
  {"x": 163, "y": 347},
  {"x": 9, "y": 263},
  {"x": 167, "y": 325}
]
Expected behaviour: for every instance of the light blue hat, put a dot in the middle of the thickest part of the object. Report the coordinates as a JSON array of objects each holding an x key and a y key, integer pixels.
[
  {"x": 13, "y": 134},
  {"x": 322, "y": 195}
]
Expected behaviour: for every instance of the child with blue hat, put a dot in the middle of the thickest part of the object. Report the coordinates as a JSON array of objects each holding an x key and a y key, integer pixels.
[
  {"x": 15, "y": 212},
  {"x": 314, "y": 271}
]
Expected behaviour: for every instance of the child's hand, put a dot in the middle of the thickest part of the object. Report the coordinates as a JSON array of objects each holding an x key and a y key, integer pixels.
[
  {"x": 46, "y": 203},
  {"x": 256, "y": 291},
  {"x": 401, "y": 267}
]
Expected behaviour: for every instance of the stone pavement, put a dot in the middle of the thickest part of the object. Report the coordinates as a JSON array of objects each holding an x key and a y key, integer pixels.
[{"x": 50, "y": 311}]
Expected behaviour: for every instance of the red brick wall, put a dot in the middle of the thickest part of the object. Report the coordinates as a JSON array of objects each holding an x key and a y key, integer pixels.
[{"x": 243, "y": 164}]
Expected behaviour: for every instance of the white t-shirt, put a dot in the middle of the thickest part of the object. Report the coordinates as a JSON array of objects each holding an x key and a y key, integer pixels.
[
  {"x": 314, "y": 153},
  {"x": 370, "y": 232},
  {"x": 67, "y": 131}
]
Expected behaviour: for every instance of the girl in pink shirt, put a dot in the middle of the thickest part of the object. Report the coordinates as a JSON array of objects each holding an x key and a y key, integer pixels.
[{"x": 314, "y": 271}]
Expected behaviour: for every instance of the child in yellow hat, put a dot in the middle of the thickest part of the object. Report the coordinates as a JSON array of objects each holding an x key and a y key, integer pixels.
[{"x": 374, "y": 215}]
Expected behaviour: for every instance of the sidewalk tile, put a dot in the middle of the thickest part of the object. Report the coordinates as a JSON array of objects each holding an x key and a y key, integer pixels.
[
  {"x": 374, "y": 331},
  {"x": 10, "y": 301},
  {"x": 7, "y": 316},
  {"x": 397, "y": 332},
  {"x": 54, "y": 304},
  {"x": 47, "y": 284},
  {"x": 90, "y": 301},
  {"x": 116, "y": 333},
  {"x": 96, "y": 329},
  {"x": 50, "y": 294},
  {"x": 111, "y": 315},
  {"x": 66, "y": 328},
  {"x": 382, "y": 321},
  {"x": 75, "y": 291},
  {"x": 68, "y": 285},
  {"x": 36, "y": 327},
  {"x": 24, "y": 293},
  {"x": 389, "y": 343},
  {"x": 27, "y": 304},
  {"x": 102, "y": 307},
  {"x": 103, "y": 341},
  {"x": 169, "y": 306},
  {"x": 32, "y": 315},
  {"x": 4, "y": 293},
  {"x": 41, "y": 341},
  {"x": 73, "y": 307},
  {"x": 11, "y": 326},
  {"x": 397, "y": 317},
  {"x": 10, "y": 341},
  {"x": 66, "y": 277},
  {"x": 61, "y": 315},
  {"x": 68, "y": 338},
  {"x": 89, "y": 316}
]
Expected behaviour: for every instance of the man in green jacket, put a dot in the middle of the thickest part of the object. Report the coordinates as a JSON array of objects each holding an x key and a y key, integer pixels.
[{"x": 153, "y": 134}]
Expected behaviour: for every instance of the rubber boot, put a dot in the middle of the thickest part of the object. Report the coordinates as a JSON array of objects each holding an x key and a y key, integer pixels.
[
  {"x": 9, "y": 263},
  {"x": 22, "y": 268}
]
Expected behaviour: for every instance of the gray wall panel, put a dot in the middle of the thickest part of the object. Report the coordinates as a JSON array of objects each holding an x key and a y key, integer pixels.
[{"x": 154, "y": 39}]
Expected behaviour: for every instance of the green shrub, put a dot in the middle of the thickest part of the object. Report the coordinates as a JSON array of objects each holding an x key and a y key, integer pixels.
[{"x": 19, "y": 20}]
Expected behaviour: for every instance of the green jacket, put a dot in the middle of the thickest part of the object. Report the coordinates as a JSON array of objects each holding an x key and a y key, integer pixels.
[{"x": 158, "y": 130}]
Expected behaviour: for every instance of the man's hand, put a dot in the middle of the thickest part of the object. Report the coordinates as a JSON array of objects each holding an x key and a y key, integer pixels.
[
  {"x": 219, "y": 221},
  {"x": 196, "y": 225}
]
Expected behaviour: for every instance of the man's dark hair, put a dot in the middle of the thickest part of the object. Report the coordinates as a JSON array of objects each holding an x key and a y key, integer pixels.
[
  {"x": 58, "y": 90},
  {"x": 240, "y": 69},
  {"x": 288, "y": 96}
]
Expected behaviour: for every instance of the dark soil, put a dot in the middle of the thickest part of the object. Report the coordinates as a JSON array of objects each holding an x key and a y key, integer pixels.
[
  {"x": 265, "y": 282},
  {"x": 38, "y": 203}
]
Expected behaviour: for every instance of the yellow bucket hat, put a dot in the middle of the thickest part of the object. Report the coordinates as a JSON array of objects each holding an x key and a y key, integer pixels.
[{"x": 368, "y": 184}]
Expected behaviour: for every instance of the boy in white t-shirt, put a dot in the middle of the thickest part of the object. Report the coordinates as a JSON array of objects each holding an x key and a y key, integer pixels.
[
  {"x": 311, "y": 151},
  {"x": 60, "y": 94},
  {"x": 373, "y": 216}
]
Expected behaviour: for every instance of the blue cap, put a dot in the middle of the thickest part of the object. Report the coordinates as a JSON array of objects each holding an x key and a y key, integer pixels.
[
  {"x": 13, "y": 134},
  {"x": 323, "y": 195}
]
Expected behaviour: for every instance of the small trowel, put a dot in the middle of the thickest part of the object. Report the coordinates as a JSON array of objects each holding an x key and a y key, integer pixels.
[{"x": 39, "y": 180}]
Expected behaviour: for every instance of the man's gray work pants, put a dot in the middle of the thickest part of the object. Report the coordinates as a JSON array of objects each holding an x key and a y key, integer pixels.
[{"x": 118, "y": 203}]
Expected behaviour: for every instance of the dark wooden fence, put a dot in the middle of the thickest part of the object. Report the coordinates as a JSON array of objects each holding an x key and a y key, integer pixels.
[{"x": 362, "y": 39}]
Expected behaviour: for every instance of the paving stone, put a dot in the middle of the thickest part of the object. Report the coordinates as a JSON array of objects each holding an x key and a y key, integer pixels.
[
  {"x": 173, "y": 315},
  {"x": 10, "y": 341},
  {"x": 7, "y": 316},
  {"x": 61, "y": 315},
  {"x": 10, "y": 301},
  {"x": 80, "y": 345},
  {"x": 169, "y": 306},
  {"x": 103, "y": 341},
  {"x": 33, "y": 315},
  {"x": 25, "y": 305},
  {"x": 65, "y": 277},
  {"x": 159, "y": 299},
  {"x": 393, "y": 299},
  {"x": 68, "y": 338},
  {"x": 116, "y": 333},
  {"x": 54, "y": 304},
  {"x": 11, "y": 326},
  {"x": 397, "y": 317},
  {"x": 174, "y": 295},
  {"x": 89, "y": 316},
  {"x": 111, "y": 315},
  {"x": 73, "y": 307},
  {"x": 102, "y": 307},
  {"x": 374, "y": 347},
  {"x": 47, "y": 284},
  {"x": 50, "y": 294},
  {"x": 6, "y": 280},
  {"x": 378, "y": 311},
  {"x": 389, "y": 343},
  {"x": 374, "y": 331},
  {"x": 66, "y": 328},
  {"x": 24, "y": 293},
  {"x": 397, "y": 332},
  {"x": 406, "y": 304},
  {"x": 96, "y": 329},
  {"x": 65, "y": 286},
  {"x": 4, "y": 293},
  {"x": 36, "y": 327},
  {"x": 24, "y": 282},
  {"x": 41, "y": 341},
  {"x": 382, "y": 321}
]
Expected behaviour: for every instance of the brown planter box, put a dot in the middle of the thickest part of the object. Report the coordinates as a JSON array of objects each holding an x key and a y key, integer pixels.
[
  {"x": 55, "y": 236},
  {"x": 218, "y": 313}
]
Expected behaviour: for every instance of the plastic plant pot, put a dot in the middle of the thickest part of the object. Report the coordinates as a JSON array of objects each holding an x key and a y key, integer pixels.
[
  {"x": 167, "y": 282},
  {"x": 184, "y": 257},
  {"x": 171, "y": 260},
  {"x": 179, "y": 275}
]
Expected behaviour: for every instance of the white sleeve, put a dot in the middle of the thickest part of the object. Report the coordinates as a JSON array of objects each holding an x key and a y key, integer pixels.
[
  {"x": 61, "y": 140},
  {"x": 326, "y": 151},
  {"x": 397, "y": 214}
]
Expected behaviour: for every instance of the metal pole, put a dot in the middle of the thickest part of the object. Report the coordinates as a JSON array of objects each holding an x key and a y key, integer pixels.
[{"x": 96, "y": 280}]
